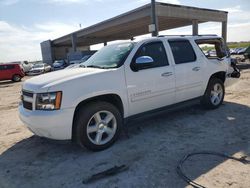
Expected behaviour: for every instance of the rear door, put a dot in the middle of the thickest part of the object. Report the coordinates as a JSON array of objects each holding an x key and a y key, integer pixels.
[
  {"x": 153, "y": 86},
  {"x": 188, "y": 70}
]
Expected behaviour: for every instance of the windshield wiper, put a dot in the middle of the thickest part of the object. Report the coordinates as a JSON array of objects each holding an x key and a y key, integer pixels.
[
  {"x": 96, "y": 66},
  {"x": 83, "y": 66}
]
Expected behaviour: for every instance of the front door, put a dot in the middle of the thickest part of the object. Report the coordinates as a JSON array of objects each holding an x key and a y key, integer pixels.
[{"x": 152, "y": 86}]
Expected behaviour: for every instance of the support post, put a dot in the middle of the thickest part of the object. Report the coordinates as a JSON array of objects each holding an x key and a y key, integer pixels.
[
  {"x": 154, "y": 18},
  {"x": 224, "y": 30},
  {"x": 195, "y": 27},
  {"x": 73, "y": 41}
]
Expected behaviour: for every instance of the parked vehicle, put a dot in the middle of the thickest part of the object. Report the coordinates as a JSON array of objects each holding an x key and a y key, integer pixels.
[
  {"x": 11, "y": 72},
  {"x": 247, "y": 53},
  {"x": 211, "y": 53},
  {"x": 78, "y": 55},
  {"x": 26, "y": 66},
  {"x": 59, "y": 65},
  {"x": 76, "y": 63},
  {"x": 241, "y": 51},
  {"x": 235, "y": 51},
  {"x": 89, "y": 104},
  {"x": 39, "y": 68}
]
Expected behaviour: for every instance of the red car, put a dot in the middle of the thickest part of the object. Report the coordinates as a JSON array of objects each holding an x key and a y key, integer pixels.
[{"x": 11, "y": 72}]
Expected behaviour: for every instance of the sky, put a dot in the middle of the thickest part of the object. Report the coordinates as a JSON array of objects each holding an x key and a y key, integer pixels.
[{"x": 26, "y": 23}]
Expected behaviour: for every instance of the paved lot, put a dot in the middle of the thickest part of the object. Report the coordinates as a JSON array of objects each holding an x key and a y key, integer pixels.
[{"x": 151, "y": 149}]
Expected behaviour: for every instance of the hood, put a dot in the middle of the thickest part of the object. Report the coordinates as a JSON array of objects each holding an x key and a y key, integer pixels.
[{"x": 43, "y": 82}]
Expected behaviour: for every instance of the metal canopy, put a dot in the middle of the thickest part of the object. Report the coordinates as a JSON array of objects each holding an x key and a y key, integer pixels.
[{"x": 135, "y": 22}]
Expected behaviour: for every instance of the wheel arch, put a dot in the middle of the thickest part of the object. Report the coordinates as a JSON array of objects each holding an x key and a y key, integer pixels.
[
  {"x": 220, "y": 75},
  {"x": 110, "y": 98},
  {"x": 16, "y": 74}
]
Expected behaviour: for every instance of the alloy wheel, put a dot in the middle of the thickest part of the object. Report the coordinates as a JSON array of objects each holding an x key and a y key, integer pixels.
[
  {"x": 101, "y": 127},
  {"x": 216, "y": 94}
]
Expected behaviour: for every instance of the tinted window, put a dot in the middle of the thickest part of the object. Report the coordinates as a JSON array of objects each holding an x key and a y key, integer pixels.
[
  {"x": 10, "y": 66},
  {"x": 182, "y": 51},
  {"x": 6, "y": 67},
  {"x": 156, "y": 51}
]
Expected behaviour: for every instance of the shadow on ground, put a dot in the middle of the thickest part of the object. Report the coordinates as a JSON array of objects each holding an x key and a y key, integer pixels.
[
  {"x": 7, "y": 83},
  {"x": 150, "y": 147}
]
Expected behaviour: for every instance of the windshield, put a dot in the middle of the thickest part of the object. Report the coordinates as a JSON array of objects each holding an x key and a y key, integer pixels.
[
  {"x": 58, "y": 62},
  {"x": 110, "y": 56},
  {"x": 38, "y": 66}
]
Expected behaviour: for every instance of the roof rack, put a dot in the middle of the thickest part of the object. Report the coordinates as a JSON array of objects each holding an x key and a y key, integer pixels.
[{"x": 186, "y": 35}]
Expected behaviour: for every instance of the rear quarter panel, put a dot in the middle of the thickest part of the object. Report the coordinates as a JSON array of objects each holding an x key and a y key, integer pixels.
[{"x": 210, "y": 66}]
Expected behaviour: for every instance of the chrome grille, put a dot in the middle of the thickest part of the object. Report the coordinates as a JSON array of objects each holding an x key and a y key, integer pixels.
[{"x": 27, "y": 99}]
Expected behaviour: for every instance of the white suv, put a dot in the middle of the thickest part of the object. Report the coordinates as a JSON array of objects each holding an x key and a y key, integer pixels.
[{"x": 89, "y": 104}]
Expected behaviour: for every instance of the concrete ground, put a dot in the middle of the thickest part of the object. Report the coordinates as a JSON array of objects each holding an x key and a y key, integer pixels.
[{"x": 151, "y": 148}]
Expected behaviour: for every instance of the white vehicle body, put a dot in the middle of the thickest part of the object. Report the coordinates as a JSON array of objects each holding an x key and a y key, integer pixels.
[
  {"x": 40, "y": 69},
  {"x": 26, "y": 66},
  {"x": 139, "y": 91}
]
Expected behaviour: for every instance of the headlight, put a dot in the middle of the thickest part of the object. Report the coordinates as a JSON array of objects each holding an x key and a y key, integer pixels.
[{"x": 48, "y": 101}]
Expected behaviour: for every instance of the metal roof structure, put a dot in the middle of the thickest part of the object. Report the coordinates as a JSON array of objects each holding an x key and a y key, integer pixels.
[{"x": 136, "y": 22}]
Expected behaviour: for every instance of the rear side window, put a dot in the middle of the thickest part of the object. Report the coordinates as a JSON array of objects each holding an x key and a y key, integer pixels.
[
  {"x": 182, "y": 51},
  {"x": 1, "y": 67}
]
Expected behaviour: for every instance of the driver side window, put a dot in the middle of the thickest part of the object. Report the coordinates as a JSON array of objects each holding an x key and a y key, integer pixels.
[{"x": 156, "y": 51}]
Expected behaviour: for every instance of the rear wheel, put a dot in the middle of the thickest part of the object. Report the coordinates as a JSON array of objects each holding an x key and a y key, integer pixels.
[
  {"x": 214, "y": 94},
  {"x": 16, "y": 78},
  {"x": 97, "y": 125}
]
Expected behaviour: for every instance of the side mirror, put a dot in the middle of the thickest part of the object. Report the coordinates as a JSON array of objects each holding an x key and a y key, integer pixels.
[{"x": 142, "y": 62}]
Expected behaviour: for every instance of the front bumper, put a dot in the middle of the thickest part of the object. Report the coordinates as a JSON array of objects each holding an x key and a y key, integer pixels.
[
  {"x": 34, "y": 73},
  {"x": 50, "y": 124},
  {"x": 58, "y": 68}
]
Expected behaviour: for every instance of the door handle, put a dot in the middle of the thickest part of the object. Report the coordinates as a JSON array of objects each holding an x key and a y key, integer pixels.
[
  {"x": 196, "y": 68},
  {"x": 166, "y": 74}
]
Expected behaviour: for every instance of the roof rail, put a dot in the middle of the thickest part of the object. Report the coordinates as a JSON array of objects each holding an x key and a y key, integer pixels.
[{"x": 186, "y": 35}]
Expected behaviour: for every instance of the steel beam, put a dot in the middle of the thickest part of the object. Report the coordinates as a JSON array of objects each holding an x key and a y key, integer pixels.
[
  {"x": 224, "y": 30},
  {"x": 154, "y": 20},
  {"x": 195, "y": 27}
]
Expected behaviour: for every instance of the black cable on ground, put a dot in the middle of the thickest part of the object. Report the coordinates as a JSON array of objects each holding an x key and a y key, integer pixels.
[{"x": 194, "y": 184}]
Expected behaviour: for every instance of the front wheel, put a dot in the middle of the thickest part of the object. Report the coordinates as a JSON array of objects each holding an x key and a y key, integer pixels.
[
  {"x": 97, "y": 125},
  {"x": 214, "y": 94}
]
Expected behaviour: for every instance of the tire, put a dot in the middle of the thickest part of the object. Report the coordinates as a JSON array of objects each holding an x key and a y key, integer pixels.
[
  {"x": 16, "y": 78},
  {"x": 214, "y": 94},
  {"x": 91, "y": 130}
]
